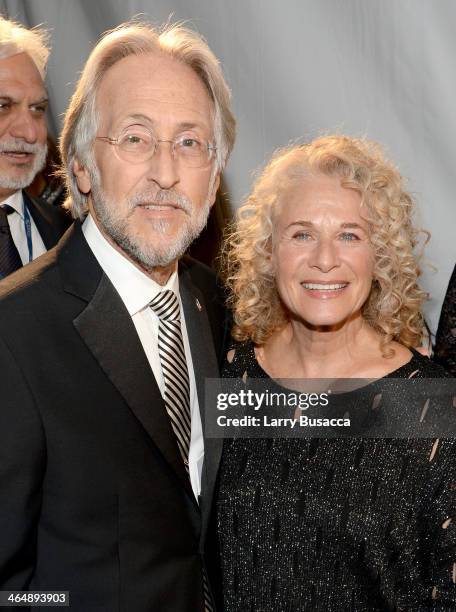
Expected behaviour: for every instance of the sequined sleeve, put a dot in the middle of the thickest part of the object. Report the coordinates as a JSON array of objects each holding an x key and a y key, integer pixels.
[
  {"x": 445, "y": 342},
  {"x": 440, "y": 536}
]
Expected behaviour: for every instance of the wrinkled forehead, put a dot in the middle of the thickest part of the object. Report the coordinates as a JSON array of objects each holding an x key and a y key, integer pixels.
[
  {"x": 20, "y": 71},
  {"x": 289, "y": 179},
  {"x": 156, "y": 86},
  {"x": 316, "y": 197}
]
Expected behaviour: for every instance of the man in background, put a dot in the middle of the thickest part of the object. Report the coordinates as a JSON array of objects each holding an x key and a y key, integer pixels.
[
  {"x": 28, "y": 226},
  {"x": 106, "y": 479}
]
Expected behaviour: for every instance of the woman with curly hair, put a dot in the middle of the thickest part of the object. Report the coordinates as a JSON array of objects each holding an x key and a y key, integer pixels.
[{"x": 322, "y": 272}]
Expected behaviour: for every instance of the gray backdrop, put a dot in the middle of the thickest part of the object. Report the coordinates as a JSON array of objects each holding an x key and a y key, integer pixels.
[{"x": 300, "y": 68}]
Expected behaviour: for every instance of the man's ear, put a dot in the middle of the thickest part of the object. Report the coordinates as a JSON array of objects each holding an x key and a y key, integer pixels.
[
  {"x": 82, "y": 177},
  {"x": 215, "y": 186}
]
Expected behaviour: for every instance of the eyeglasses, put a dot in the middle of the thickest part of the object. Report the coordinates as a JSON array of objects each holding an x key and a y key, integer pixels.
[{"x": 137, "y": 144}]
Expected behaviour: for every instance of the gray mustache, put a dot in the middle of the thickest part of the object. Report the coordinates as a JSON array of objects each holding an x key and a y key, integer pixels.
[
  {"x": 18, "y": 146},
  {"x": 162, "y": 196}
]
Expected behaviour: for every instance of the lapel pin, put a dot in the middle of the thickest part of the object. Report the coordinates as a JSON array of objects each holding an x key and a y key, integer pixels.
[{"x": 198, "y": 304}]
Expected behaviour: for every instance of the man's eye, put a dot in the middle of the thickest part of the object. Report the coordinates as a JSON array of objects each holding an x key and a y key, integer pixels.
[
  {"x": 133, "y": 139},
  {"x": 189, "y": 143},
  {"x": 4, "y": 106},
  {"x": 40, "y": 109}
]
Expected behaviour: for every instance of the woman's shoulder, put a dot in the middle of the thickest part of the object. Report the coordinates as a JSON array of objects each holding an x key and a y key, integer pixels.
[
  {"x": 240, "y": 359},
  {"x": 421, "y": 366}
]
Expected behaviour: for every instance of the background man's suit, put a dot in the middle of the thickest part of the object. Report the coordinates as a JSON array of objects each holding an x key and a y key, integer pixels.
[
  {"x": 95, "y": 496},
  {"x": 51, "y": 221}
]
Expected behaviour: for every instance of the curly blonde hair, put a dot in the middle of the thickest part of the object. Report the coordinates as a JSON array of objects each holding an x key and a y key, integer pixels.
[{"x": 394, "y": 303}]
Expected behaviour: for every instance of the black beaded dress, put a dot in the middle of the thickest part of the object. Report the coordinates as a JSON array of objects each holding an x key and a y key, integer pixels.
[
  {"x": 338, "y": 525},
  {"x": 445, "y": 341}
]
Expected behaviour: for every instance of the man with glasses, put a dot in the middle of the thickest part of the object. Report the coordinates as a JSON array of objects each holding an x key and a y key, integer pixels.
[{"x": 106, "y": 480}]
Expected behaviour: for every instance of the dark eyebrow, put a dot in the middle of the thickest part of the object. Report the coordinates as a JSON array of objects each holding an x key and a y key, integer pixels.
[{"x": 44, "y": 100}]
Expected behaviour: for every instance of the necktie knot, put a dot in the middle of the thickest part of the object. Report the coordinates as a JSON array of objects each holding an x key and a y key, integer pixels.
[
  {"x": 166, "y": 306},
  {"x": 10, "y": 260},
  {"x": 5, "y": 210}
]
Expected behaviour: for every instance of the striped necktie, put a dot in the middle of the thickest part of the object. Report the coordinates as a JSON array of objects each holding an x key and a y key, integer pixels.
[
  {"x": 10, "y": 259},
  {"x": 177, "y": 384},
  {"x": 174, "y": 368}
]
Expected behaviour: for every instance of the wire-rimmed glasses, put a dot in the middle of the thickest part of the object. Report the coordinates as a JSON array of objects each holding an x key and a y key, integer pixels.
[{"x": 137, "y": 144}]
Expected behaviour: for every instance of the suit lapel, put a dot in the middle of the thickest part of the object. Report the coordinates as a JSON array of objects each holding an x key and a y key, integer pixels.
[
  {"x": 43, "y": 221},
  {"x": 205, "y": 365},
  {"x": 109, "y": 333}
]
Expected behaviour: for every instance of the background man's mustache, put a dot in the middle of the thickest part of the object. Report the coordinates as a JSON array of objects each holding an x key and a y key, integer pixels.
[{"x": 19, "y": 146}]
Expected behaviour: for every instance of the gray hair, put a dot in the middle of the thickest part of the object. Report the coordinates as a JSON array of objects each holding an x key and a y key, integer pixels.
[
  {"x": 136, "y": 38},
  {"x": 15, "y": 38}
]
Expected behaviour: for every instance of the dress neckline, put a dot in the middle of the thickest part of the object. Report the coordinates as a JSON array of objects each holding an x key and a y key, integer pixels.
[{"x": 406, "y": 370}]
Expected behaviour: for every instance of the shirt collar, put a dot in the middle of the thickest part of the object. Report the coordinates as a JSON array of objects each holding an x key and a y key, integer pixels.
[
  {"x": 135, "y": 288},
  {"x": 16, "y": 201}
]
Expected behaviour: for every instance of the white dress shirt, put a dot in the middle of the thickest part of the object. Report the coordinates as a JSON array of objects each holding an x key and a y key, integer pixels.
[
  {"x": 17, "y": 227},
  {"x": 137, "y": 290}
]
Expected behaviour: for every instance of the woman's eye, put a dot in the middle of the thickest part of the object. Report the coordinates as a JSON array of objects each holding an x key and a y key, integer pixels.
[
  {"x": 302, "y": 236},
  {"x": 349, "y": 236}
]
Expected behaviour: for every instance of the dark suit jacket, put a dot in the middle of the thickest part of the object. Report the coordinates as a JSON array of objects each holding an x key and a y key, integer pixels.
[
  {"x": 94, "y": 497},
  {"x": 51, "y": 221}
]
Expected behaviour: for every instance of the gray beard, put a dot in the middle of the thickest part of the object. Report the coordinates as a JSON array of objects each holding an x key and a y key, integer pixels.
[
  {"x": 155, "y": 255},
  {"x": 39, "y": 161}
]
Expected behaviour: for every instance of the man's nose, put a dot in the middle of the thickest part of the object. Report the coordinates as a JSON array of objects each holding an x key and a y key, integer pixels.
[
  {"x": 163, "y": 167},
  {"x": 24, "y": 126}
]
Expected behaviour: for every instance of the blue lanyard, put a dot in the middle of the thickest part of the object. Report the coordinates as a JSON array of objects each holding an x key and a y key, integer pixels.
[{"x": 28, "y": 231}]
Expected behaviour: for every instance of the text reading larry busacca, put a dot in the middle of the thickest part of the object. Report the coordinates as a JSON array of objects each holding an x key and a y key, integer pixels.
[{"x": 246, "y": 398}]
